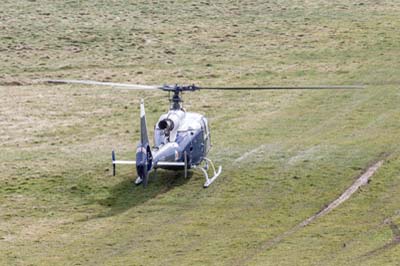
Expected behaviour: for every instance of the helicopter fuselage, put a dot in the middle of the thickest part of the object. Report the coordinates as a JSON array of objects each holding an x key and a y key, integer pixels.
[
  {"x": 182, "y": 141},
  {"x": 180, "y": 136}
]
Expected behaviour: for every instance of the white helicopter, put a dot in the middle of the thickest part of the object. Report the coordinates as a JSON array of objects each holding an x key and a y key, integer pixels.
[{"x": 182, "y": 139}]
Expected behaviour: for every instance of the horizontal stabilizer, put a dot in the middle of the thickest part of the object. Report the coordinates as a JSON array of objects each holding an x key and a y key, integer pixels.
[
  {"x": 124, "y": 162},
  {"x": 115, "y": 162}
]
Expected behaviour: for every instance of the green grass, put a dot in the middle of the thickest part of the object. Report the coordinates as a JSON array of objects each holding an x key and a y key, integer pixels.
[{"x": 59, "y": 204}]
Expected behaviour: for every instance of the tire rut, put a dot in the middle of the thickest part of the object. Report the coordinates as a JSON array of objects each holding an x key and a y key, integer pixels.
[
  {"x": 360, "y": 181},
  {"x": 393, "y": 243}
]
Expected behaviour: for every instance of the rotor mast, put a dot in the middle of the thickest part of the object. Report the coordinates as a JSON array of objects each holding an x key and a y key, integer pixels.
[{"x": 176, "y": 101}]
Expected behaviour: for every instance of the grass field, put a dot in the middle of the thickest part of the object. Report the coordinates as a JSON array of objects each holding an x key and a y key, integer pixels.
[{"x": 285, "y": 154}]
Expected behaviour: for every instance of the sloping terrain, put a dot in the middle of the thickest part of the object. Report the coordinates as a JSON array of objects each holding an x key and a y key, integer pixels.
[{"x": 286, "y": 155}]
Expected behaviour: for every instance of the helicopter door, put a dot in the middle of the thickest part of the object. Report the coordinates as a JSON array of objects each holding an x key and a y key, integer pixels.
[{"x": 206, "y": 134}]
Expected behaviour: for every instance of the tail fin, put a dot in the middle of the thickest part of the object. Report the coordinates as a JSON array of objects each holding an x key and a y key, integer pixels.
[
  {"x": 144, "y": 157},
  {"x": 143, "y": 128}
]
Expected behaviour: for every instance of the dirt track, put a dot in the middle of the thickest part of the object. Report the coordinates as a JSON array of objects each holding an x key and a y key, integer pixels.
[{"x": 361, "y": 180}]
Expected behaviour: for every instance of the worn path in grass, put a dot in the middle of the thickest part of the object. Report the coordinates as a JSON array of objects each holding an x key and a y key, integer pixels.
[{"x": 361, "y": 181}]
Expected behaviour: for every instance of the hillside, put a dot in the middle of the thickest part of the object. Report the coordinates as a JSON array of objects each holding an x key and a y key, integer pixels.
[{"x": 285, "y": 154}]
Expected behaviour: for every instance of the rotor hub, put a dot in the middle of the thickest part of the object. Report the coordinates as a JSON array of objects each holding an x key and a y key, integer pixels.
[{"x": 177, "y": 90}]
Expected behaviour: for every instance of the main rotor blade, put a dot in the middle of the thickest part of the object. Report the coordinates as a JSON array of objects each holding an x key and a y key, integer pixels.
[
  {"x": 322, "y": 87},
  {"x": 99, "y": 83}
]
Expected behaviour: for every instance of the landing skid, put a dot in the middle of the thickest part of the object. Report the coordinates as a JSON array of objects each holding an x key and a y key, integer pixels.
[
  {"x": 205, "y": 168},
  {"x": 138, "y": 181}
]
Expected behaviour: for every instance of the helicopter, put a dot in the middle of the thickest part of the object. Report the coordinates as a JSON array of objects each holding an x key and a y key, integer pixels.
[{"x": 182, "y": 140}]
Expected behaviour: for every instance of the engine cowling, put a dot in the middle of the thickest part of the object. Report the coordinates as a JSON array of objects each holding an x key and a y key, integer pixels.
[{"x": 166, "y": 124}]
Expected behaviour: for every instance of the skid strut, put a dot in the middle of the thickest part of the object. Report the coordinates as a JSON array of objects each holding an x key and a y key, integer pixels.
[{"x": 204, "y": 170}]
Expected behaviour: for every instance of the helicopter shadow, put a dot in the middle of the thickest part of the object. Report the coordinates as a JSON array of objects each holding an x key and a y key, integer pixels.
[{"x": 126, "y": 194}]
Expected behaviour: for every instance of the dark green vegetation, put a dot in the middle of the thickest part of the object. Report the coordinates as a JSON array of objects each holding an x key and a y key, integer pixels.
[{"x": 58, "y": 202}]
